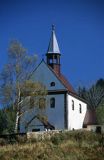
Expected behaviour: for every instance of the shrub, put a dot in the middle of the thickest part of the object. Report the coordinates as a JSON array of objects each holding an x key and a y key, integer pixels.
[
  {"x": 21, "y": 139},
  {"x": 3, "y": 141},
  {"x": 57, "y": 138},
  {"x": 101, "y": 140}
]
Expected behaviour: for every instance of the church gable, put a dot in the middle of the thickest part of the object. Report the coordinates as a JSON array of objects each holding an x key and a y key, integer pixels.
[{"x": 46, "y": 76}]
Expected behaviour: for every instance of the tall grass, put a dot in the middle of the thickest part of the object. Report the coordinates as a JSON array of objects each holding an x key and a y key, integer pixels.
[{"x": 76, "y": 145}]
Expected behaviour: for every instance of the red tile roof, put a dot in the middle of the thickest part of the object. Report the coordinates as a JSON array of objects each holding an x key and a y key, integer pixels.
[
  {"x": 63, "y": 80},
  {"x": 66, "y": 83}
]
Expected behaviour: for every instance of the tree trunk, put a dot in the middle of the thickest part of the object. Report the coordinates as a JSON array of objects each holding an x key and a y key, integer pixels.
[
  {"x": 17, "y": 128},
  {"x": 17, "y": 125}
]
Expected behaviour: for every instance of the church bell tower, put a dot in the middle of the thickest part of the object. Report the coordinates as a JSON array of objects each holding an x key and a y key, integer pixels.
[{"x": 53, "y": 53}]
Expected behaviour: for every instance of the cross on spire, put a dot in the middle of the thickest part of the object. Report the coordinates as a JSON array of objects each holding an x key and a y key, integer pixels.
[{"x": 53, "y": 27}]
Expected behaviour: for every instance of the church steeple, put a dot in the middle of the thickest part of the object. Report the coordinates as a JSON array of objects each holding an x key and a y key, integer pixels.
[
  {"x": 53, "y": 52},
  {"x": 53, "y": 44}
]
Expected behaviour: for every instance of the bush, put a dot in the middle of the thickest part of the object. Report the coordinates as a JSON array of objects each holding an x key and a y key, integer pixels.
[
  {"x": 76, "y": 136},
  {"x": 3, "y": 142},
  {"x": 21, "y": 139},
  {"x": 57, "y": 138},
  {"x": 101, "y": 140}
]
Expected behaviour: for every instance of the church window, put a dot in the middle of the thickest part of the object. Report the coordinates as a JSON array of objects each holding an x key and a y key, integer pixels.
[
  {"x": 52, "y": 84},
  {"x": 72, "y": 105},
  {"x": 52, "y": 102},
  {"x": 42, "y": 103},
  {"x": 80, "y": 108}
]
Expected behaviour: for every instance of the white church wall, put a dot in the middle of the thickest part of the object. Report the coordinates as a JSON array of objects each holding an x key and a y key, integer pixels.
[
  {"x": 75, "y": 118},
  {"x": 44, "y": 75}
]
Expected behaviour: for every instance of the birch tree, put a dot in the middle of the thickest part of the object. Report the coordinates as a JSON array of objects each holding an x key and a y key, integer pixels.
[{"x": 16, "y": 85}]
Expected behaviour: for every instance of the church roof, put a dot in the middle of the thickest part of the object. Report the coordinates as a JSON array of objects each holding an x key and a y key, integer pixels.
[
  {"x": 66, "y": 83},
  {"x": 63, "y": 80},
  {"x": 53, "y": 44}
]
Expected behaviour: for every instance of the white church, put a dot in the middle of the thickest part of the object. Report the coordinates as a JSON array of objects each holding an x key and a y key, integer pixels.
[{"x": 64, "y": 110}]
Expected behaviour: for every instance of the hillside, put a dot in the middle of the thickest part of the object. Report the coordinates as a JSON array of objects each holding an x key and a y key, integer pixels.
[{"x": 63, "y": 146}]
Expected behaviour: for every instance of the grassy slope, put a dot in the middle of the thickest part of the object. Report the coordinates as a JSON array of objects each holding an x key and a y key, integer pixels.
[{"x": 64, "y": 146}]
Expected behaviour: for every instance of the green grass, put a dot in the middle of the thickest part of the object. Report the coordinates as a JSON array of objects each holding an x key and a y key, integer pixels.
[{"x": 64, "y": 146}]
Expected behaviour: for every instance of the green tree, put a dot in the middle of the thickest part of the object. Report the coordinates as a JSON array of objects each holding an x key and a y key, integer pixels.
[
  {"x": 100, "y": 108},
  {"x": 3, "y": 121},
  {"x": 95, "y": 98},
  {"x": 94, "y": 95},
  {"x": 7, "y": 120},
  {"x": 11, "y": 117},
  {"x": 100, "y": 113},
  {"x": 100, "y": 82},
  {"x": 16, "y": 86}
]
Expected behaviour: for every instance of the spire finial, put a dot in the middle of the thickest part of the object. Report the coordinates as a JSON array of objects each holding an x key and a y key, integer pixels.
[
  {"x": 53, "y": 27},
  {"x": 42, "y": 56}
]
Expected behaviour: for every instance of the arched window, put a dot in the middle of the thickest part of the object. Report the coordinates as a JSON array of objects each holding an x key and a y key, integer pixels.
[
  {"x": 72, "y": 105},
  {"x": 42, "y": 103},
  {"x": 52, "y": 102},
  {"x": 52, "y": 84},
  {"x": 80, "y": 108}
]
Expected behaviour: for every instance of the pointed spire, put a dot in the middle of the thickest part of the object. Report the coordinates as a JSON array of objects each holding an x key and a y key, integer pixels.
[{"x": 53, "y": 44}]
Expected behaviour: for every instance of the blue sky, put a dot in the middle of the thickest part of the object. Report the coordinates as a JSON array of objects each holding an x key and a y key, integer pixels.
[{"x": 79, "y": 29}]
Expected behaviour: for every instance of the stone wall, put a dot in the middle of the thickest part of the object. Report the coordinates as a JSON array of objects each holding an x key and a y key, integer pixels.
[
  {"x": 95, "y": 128},
  {"x": 42, "y": 134}
]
